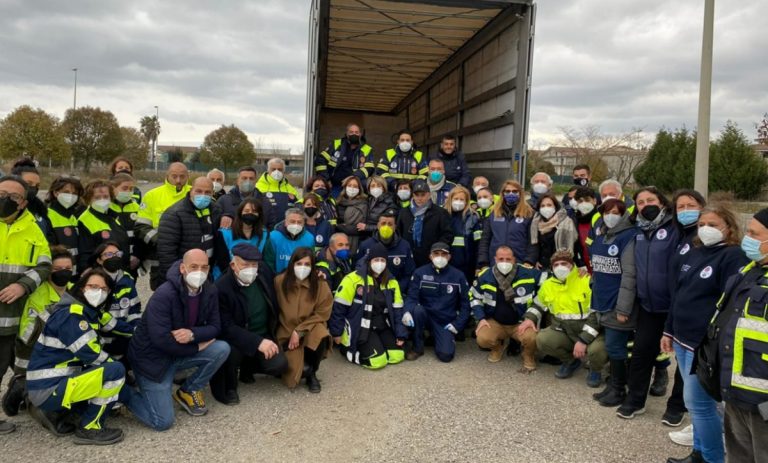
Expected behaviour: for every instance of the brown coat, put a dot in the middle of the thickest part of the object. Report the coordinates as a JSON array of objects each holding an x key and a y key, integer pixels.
[{"x": 304, "y": 314}]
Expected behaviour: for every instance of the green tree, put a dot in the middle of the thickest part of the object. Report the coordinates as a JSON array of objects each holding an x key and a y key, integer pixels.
[
  {"x": 534, "y": 163},
  {"x": 32, "y": 133},
  {"x": 669, "y": 165},
  {"x": 227, "y": 147},
  {"x": 93, "y": 135},
  {"x": 735, "y": 166},
  {"x": 150, "y": 129},
  {"x": 136, "y": 147}
]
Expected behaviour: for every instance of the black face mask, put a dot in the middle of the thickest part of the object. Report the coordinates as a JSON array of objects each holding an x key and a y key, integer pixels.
[
  {"x": 578, "y": 181},
  {"x": 650, "y": 212},
  {"x": 310, "y": 211},
  {"x": 354, "y": 139},
  {"x": 322, "y": 192},
  {"x": 250, "y": 219},
  {"x": 32, "y": 193},
  {"x": 61, "y": 277},
  {"x": 113, "y": 264},
  {"x": 8, "y": 207}
]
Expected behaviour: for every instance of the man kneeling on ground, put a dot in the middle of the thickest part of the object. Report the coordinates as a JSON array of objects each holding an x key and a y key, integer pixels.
[{"x": 177, "y": 332}]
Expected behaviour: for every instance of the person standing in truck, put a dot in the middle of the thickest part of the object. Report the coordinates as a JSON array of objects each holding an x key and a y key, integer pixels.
[
  {"x": 344, "y": 157},
  {"x": 403, "y": 162}
]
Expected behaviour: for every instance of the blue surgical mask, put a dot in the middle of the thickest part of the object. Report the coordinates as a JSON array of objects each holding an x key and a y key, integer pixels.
[
  {"x": 246, "y": 186},
  {"x": 435, "y": 176},
  {"x": 511, "y": 198},
  {"x": 688, "y": 217},
  {"x": 751, "y": 248},
  {"x": 342, "y": 254},
  {"x": 202, "y": 201}
]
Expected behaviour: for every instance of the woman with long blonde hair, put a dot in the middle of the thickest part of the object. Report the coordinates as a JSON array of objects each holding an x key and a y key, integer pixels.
[
  {"x": 508, "y": 224},
  {"x": 467, "y": 231}
]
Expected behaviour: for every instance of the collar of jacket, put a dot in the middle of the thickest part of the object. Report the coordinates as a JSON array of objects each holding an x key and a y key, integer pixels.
[{"x": 170, "y": 186}]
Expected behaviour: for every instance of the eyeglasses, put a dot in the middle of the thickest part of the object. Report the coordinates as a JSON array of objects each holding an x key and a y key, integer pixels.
[
  {"x": 15, "y": 197},
  {"x": 109, "y": 255}
]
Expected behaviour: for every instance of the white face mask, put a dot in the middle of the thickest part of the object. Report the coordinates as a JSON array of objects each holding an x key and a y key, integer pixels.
[
  {"x": 440, "y": 261},
  {"x": 217, "y": 187},
  {"x": 101, "y": 205},
  {"x": 561, "y": 272},
  {"x": 404, "y": 195},
  {"x": 301, "y": 271},
  {"x": 378, "y": 266},
  {"x": 710, "y": 235},
  {"x": 277, "y": 175},
  {"x": 248, "y": 275},
  {"x": 196, "y": 279},
  {"x": 405, "y": 146},
  {"x": 458, "y": 205},
  {"x": 505, "y": 267},
  {"x": 547, "y": 212},
  {"x": 352, "y": 191},
  {"x": 95, "y": 297},
  {"x": 484, "y": 203},
  {"x": 477, "y": 188},
  {"x": 611, "y": 220},
  {"x": 573, "y": 203},
  {"x": 376, "y": 192},
  {"x": 66, "y": 200},
  {"x": 540, "y": 188},
  {"x": 585, "y": 208},
  {"x": 294, "y": 228}
]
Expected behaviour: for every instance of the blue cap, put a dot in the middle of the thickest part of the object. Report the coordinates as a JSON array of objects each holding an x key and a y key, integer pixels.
[{"x": 246, "y": 252}]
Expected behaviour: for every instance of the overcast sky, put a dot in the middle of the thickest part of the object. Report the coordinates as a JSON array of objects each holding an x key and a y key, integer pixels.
[{"x": 615, "y": 63}]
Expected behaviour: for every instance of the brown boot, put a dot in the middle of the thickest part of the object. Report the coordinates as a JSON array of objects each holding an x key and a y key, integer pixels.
[{"x": 497, "y": 353}]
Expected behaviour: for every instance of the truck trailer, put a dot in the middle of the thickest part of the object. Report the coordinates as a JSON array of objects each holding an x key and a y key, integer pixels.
[{"x": 434, "y": 67}]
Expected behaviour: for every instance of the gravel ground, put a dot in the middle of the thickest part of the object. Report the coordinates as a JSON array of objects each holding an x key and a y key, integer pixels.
[{"x": 468, "y": 410}]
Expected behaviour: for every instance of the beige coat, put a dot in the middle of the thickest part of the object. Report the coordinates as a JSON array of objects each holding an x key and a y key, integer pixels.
[{"x": 304, "y": 314}]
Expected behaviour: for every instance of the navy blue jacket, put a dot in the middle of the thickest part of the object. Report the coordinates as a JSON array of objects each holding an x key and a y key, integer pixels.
[
  {"x": 456, "y": 168},
  {"x": 400, "y": 261},
  {"x": 444, "y": 294},
  {"x": 700, "y": 281},
  {"x": 153, "y": 348},
  {"x": 512, "y": 231},
  {"x": 653, "y": 254}
]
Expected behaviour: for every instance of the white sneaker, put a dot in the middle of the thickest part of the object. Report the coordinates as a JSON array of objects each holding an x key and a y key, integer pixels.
[{"x": 683, "y": 437}]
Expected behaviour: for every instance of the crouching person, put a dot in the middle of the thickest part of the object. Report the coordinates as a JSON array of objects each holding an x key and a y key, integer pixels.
[
  {"x": 500, "y": 296},
  {"x": 249, "y": 317},
  {"x": 69, "y": 369},
  {"x": 177, "y": 332},
  {"x": 438, "y": 301},
  {"x": 573, "y": 334},
  {"x": 366, "y": 322}
]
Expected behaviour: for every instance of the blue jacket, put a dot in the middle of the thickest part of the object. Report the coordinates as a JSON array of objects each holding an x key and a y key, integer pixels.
[
  {"x": 153, "y": 348},
  {"x": 485, "y": 294},
  {"x": 224, "y": 243},
  {"x": 467, "y": 232},
  {"x": 514, "y": 232},
  {"x": 350, "y": 303},
  {"x": 440, "y": 196},
  {"x": 444, "y": 294},
  {"x": 456, "y": 168},
  {"x": 653, "y": 254},
  {"x": 281, "y": 247},
  {"x": 321, "y": 232},
  {"x": 400, "y": 261}
]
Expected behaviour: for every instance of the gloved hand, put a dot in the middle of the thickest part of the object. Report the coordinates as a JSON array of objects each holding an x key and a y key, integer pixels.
[
  {"x": 408, "y": 320},
  {"x": 451, "y": 328}
]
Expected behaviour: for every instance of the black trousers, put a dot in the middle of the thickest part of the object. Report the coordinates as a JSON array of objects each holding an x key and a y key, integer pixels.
[
  {"x": 226, "y": 378},
  {"x": 312, "y": 358},
  {"x": 746, "y": 435},
  {"x": 379, "y": 342},
  {"x": 650, "y": 328},
  {"x": 7, "y": 353},
  {"x": 676, "y": 403}
]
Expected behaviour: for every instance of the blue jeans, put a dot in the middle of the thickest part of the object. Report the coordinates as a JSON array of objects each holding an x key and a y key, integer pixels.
[
  {"x": 707, "y": 422},
  {"x": 153, "y": 403},
  {"x": 616, "y": 343}
]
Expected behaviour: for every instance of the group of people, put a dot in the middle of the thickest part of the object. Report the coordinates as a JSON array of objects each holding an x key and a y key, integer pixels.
[{"x": 376, "y": 259}]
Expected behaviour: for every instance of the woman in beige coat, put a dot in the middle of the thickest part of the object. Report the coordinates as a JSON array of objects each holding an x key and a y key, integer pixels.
[{"x": 305, "y": 306}]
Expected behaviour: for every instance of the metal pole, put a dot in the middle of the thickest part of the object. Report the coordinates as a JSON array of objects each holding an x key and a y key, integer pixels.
[
  {"x": 74, "y": 107},
  {"x": 701, "y": 177},
  {"x": 154, "y": 139}
]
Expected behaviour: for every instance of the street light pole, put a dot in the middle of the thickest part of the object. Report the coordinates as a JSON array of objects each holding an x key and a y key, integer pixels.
[
  {"x": 74, "y": 107},
  {"x": 701, "y": 177},
  {"x": 154, "y": 141}
]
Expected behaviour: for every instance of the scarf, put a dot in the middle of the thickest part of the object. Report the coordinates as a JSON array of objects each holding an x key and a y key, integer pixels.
[
  {"x": 418, "y": 220},
  {"x": 434, "y": 189},
  {"x": 505, "y": 282},
  {"x": 650, "y": 225},
  {"x": 539, "y": 225}
]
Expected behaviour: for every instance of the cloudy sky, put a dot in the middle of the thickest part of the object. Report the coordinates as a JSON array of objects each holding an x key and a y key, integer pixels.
[{"x": 615, "y": 63}]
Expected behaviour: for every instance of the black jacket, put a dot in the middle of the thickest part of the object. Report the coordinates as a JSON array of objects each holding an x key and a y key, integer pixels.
[
  {"x": 456, "y": 169},
  {"x": 184, "y": 227},
  {"x": 233, "y": 308},
  {"x": 153, "y": 348},
  {"x": 437, "y": 227},
  {"x": 232, "y": 200},
  {"x": 376, "y": 207}
]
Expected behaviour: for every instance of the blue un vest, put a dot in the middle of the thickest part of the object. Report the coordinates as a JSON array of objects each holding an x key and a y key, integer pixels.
[{"x": 606, "y": 269}]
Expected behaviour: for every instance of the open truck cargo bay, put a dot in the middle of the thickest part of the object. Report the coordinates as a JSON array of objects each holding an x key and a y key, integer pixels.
[{"x": 435, "y": 67}]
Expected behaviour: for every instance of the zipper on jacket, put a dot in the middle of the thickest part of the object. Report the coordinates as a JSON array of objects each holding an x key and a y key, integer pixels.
[{"x": 32, "y": 253}]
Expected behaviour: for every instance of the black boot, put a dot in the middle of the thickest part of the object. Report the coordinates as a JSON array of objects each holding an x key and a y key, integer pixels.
[
  {"x": 660, "y": 382},
  {"x": 103, "y": 436},
  {"x": 618, "y": 392},
  {"x": 604, "y": 392},
  {"x": 313, "y": 383},
  {"x": 694, "y": 457},
  {"x": 14, "y": 395}
]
